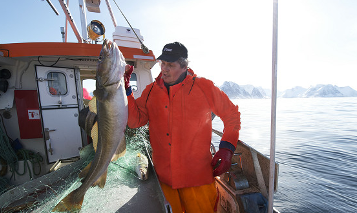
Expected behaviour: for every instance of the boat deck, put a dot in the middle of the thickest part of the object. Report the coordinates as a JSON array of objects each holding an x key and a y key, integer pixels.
[{"x": 123, "y": 192}]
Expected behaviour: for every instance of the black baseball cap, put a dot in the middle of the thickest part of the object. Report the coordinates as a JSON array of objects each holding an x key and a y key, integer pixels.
[{"x": 172, "y": 52}]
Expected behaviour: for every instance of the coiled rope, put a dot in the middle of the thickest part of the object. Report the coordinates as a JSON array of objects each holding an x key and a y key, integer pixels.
[
  {"x": 4, "y": 185},
  {"x": 7, "y": 152},
  {"x": 26, "y": 156},
  {"x": 12, "y": 158}
]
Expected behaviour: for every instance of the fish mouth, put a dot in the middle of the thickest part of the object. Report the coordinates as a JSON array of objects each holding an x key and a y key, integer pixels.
[
  {"x": 108, "y": 44},
  {"x": 108, "y": 72}
]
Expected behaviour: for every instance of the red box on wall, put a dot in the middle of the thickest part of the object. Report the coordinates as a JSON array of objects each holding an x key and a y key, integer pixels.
[{"x": 28, "y": 113}]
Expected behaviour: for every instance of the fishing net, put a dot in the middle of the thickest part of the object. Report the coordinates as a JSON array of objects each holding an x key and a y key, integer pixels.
[{"x": 119, "y": 194}]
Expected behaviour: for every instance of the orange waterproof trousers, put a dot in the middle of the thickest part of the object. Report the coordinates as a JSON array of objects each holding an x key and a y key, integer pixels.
[{"x": 200, "y": 199}]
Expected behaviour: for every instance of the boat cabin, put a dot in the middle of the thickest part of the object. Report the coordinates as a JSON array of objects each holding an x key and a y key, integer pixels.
[{"x": 42, "y": 93}]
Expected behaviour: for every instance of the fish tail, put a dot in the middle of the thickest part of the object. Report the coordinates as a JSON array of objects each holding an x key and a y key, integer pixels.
[
  {"x": 71, "y": 203},
  {"x": 85, "y": 171},
  {"x": 101, "y": 180}
]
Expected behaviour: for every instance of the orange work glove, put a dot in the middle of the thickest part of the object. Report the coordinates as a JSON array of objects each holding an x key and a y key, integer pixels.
[{"x": 225, "y": 155}]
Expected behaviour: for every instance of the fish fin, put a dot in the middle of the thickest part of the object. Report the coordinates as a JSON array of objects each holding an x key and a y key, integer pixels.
[
  {"x": 70, "y": 203},
  {"x": 94, "y": 136},
  {"x": 85, "y": 171},
  {"x": 101, "y": 94},
  {"x": 120, "y": 152},
  {"x": 101, "y": 180},
  {"x": 93, "y": 105},
  {"x": 94, "y": 131}
]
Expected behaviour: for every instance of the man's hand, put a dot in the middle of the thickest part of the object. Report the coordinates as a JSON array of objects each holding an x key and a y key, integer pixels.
[
  {"x": 128, "y": 71},
  {"x": 225, "y": 155}
]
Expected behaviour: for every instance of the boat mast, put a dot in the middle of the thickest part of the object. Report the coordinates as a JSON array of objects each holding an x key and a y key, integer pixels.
[
  {"x": 66, "y": 27},
  {"x": 111, "y": 13},
  {"x": 71, "y": 21},
  {"x": 82, "y": 12},
  {"x": 273, "y": 106}
]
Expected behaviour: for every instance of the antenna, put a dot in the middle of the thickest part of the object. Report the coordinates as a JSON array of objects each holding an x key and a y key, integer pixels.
[{"x": 63, "y": 33}]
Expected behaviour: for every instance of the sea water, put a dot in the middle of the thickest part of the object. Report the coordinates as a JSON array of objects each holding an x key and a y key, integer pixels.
[{"x": 316, "y": 148}]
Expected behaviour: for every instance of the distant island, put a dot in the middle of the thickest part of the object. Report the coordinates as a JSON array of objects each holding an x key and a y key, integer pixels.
[{"x": 234, "y": 91}]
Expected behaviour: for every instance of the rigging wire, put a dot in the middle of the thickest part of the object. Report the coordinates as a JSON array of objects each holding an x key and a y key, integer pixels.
[
  {"x": 143, "y": 47},
  {"x": 53, "y": 7}
]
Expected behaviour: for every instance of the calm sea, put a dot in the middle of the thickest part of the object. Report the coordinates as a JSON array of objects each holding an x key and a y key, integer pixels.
[{"x": 316, "y": 148}]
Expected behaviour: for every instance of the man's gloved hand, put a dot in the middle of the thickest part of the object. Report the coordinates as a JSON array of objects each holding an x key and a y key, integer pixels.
[
  {"x": 128, "y": 71},
  {"x": 226, "y": 157}
]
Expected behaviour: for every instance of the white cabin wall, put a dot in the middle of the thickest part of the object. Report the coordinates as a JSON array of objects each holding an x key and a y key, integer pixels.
[
  {"x": 26, "y": 77},
  {"x": 23, "y": 77},
  {"x": 143, "y": 72}
]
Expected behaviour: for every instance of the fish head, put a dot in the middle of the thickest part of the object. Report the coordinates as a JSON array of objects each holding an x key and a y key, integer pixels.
[
  {"x": 142, "y": 172},
  {"x": 142, "y": 166},
  {"x": 111, "y": 65}
]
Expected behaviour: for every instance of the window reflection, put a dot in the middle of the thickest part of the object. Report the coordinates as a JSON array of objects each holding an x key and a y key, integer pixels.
[{"x": 57, "y": 83}]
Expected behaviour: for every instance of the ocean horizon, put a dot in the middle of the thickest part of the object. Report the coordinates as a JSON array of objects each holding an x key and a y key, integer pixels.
[{"x": 316, "y": 148}]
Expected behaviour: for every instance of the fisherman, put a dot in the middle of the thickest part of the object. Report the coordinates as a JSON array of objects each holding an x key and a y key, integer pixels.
[{"x": 178, "y": 107}]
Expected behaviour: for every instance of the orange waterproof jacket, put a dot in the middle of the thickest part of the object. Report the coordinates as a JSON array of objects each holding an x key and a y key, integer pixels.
[{"x": 180, "y": 127}]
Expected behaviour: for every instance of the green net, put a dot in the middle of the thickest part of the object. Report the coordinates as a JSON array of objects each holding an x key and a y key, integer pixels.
[{"x": 119, "y": 193}]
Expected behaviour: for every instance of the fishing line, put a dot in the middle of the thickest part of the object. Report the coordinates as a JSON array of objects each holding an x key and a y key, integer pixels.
[{"x": 143, "y": 47}]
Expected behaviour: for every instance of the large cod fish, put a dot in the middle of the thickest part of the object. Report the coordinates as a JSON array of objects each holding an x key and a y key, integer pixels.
[{"x": 112, "y": 117}]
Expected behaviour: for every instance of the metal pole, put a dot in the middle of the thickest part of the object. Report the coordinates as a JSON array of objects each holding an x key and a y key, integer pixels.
[
  {"x": 71, "y": 21},
  {"x": 273, "y": 106},
  {"x": 111, "y": 13},
  {"x": 66, "y": 26},
  {"x": 82, "y": 12}
]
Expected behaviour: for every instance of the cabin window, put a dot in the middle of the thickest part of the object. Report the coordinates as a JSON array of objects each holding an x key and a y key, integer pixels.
[
  {"x": 134, "y": 82},
  {"x": 57, "y": 83}
]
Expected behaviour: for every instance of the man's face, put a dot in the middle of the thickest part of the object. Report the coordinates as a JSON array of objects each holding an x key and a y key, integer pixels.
[{"x": 171, "y": 71}]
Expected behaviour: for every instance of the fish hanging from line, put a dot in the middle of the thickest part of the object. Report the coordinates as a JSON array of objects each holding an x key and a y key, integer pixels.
[{"x": 112, "y": 117}]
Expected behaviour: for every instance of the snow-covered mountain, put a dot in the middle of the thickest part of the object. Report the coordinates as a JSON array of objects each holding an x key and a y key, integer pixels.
[
  {"x": 295, "y": 92},
  {"x": 347, "y": 91},
  {"x": 320, "y": 90},
  {"x": 234, "y": 90}
]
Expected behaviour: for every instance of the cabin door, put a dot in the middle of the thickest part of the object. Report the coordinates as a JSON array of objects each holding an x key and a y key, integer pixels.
[{"x": 59, "y": 110}]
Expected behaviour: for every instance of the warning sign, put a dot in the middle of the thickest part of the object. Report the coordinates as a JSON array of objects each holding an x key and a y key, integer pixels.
[{"x": 33, "y": 114}]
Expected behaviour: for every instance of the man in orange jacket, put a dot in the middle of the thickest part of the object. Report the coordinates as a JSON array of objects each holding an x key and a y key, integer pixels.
[{"x": 178, "y": 107}]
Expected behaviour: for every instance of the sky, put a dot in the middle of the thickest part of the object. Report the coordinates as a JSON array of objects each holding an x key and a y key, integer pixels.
[{"x": 227, "y": 40}]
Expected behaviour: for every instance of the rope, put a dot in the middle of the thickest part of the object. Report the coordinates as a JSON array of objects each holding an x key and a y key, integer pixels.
[
  {"x": 26, "y": 156},
  {"x": 143, "y": 47},
  {"x": 4, "y": 185},
  {"x": 6, "y": 151},
  {"x": 12, "y": 159}
]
